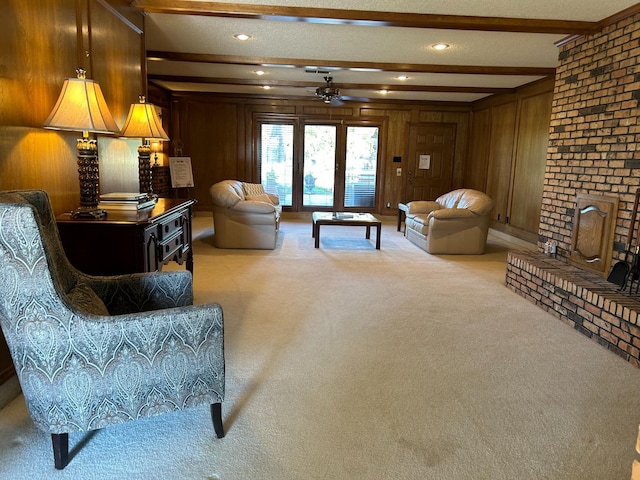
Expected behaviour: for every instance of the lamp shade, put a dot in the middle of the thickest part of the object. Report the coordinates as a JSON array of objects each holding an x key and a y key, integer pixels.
[
  {"x": 143, "y": 122},
  {"x": 81, "y": 107}
]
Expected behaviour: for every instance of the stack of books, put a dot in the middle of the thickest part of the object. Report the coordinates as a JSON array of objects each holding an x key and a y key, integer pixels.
[{"x": 126, "y": 201}]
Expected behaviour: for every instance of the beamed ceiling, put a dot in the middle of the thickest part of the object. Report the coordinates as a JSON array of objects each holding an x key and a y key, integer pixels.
[{"x": 494, "y": 46}]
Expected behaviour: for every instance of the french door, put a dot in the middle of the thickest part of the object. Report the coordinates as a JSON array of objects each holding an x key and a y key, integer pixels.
[{"x": 334, "y": 167}]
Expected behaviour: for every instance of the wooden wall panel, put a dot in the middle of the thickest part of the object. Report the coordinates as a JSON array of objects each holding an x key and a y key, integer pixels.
[
  {"x": 530, "y": 162},
  {"x": 396, "y": 144},
  {"x": 116, "y": 59},
  {"x": 475, "y": 170},
  {"x": 209, "y": 134},
  {"x": 33, "y": 71},
  {"x": 503, "y": 122}
]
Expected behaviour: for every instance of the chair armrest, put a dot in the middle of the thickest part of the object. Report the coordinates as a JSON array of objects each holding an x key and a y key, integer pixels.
[
  {"x": 445, "y": 213},
  {"x": 422, "y": 206},
  {"x": 141, "y": 292},
  {"x": 274, "y": 198},
  {"x": 252, "y": 206},
  {"x": 194, "y": 324}
]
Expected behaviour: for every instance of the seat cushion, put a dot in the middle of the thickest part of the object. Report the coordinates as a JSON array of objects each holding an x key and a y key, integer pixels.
[{"x": 263, "y": 197}]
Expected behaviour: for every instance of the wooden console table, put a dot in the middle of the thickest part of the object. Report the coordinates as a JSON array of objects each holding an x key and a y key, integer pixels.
[{"x": 130, "y": 241}]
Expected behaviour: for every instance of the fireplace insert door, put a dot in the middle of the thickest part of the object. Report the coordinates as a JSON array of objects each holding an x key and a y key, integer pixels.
[{"x": 593, "y": 228}]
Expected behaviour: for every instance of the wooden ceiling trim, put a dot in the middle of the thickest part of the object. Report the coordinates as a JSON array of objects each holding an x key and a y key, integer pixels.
[
  {"x": 366, "y": 17},
  {"x": 344, "y": 86},
  {"x": 380, "y": 66}
]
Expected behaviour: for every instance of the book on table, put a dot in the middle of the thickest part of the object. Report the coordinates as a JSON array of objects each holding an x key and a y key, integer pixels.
[{"x": 126, "y": 201}]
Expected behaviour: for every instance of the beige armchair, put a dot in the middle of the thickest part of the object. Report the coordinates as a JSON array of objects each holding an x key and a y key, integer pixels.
[
  {"x": 244, "y": 215},
  {"x": 455, "y": 223}
]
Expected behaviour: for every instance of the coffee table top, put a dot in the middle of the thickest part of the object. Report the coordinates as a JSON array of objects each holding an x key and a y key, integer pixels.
[{"x": 344, "y": 217}]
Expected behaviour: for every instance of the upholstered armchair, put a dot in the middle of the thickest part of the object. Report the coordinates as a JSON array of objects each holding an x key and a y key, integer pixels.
[
  {"x": 91, "y": 352},
  {"x": 455, "y": 223},
  {"x": 244, "y": 215}
]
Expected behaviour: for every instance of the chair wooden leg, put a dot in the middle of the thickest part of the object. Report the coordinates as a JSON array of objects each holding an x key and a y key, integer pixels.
[
  {"x": 216, "y": 416},
  {"x": 60, "y": 449}
]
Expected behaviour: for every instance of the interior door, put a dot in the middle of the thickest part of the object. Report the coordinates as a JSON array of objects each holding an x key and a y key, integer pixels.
[{"x": 430, "y": 160}]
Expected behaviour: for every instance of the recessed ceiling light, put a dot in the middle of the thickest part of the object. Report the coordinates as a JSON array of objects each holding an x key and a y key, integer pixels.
[
  {"x": 440, "y": 46},
  {"x": 242, "y": 36},
  {"x": 383, "y": 92},
  {"x": 402, "y": 77},
  {"x": 266, "y": 87},
  {"x": 259, "y": 72}
]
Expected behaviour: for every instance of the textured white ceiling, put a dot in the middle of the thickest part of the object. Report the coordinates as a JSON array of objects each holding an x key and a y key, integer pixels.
[{"x": 348, "y": 43}]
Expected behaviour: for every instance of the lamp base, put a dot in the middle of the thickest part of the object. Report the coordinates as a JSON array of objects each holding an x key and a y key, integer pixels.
[{"x": 88, "y": 212}]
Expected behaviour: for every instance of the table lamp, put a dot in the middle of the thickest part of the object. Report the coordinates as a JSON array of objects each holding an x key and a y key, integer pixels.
[
  {"x": 81, "y": 107},
  {"x": 143, "y": 122}
]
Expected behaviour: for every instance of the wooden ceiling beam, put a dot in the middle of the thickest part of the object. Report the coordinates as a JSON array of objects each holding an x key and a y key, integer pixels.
[
  {"x": 344, "y": 86},
  {"x": 366, "y": 17},
  {"x": 374, "y": 66}
]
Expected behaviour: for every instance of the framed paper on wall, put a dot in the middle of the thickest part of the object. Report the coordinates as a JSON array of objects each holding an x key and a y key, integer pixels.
[{"x": 181, "y": 173}]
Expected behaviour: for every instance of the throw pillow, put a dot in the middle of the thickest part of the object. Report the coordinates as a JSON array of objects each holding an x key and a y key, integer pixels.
[
  {"x": 86, "y": 300},
  {"x": 252, "y": 189}
]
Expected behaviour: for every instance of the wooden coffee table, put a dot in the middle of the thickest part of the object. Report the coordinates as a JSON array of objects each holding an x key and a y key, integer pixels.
[{"x": 346, "y": 219}]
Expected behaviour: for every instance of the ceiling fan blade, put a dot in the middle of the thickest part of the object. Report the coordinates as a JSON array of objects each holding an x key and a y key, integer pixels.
[
  {"x": 336, "y": 101},
  {"x": 354, "y": 99}
]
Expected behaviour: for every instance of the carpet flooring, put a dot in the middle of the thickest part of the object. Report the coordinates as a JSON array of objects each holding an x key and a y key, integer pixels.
[{"x": 346, "y": 362}]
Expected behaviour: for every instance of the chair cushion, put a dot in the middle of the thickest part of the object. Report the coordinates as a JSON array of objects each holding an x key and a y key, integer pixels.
[{"x": 86, "y": 300}]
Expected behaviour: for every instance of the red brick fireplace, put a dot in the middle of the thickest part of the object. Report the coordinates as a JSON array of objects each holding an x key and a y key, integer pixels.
[{"x": 594, "y": 148}]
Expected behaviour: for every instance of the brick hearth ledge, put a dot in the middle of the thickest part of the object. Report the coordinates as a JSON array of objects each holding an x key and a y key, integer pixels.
[{"x": 579, "y": 298}]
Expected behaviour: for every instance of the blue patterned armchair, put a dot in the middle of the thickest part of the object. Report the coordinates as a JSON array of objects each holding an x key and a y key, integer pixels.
[{"x": 97, "y": 351}]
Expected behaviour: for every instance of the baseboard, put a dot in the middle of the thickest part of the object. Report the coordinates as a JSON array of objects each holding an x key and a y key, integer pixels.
[
  {"x": 9, "y": 390},
  {"x": 514, "y": 240}
]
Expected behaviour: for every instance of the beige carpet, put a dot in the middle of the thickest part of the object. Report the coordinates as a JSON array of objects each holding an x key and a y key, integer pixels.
[{"x": 350, "y": 363}]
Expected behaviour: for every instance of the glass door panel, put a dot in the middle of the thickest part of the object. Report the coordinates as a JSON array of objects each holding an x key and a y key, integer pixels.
[
  {"x": 276, "y": 160},
  {"x": 319, "y": 165},
  {"x": 361, "y": 166}
]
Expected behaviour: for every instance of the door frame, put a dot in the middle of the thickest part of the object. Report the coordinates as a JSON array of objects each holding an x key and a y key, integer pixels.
[{"x": 299, "y": 122}]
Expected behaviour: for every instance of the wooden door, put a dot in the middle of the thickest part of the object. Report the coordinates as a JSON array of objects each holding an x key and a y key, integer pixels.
[{"x": 430, "y": 160}]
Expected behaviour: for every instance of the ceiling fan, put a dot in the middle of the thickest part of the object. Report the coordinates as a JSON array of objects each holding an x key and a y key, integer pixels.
[{"x": 330, "y": 94}]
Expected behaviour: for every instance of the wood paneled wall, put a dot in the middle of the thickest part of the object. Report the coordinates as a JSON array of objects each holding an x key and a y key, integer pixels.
[
  {"x": 42, "y": 43},
  {"x": 508, "y": 147},
  {"x": 217, "y": 133}
]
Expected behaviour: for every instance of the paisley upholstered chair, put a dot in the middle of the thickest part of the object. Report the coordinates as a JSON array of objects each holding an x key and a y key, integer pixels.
[{"x": 97, "y": 351}]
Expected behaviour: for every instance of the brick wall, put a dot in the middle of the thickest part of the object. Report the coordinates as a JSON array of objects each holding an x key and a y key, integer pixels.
[{"x": 595, "y": 130}]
